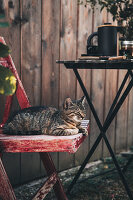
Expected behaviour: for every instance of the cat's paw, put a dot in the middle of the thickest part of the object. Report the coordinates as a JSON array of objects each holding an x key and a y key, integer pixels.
[
  {"x": 71, "y": 131},
  {"x": 83, "y": 131},
  {"x": 65, "y": 132},
  {"x": 58, "y": 132}
]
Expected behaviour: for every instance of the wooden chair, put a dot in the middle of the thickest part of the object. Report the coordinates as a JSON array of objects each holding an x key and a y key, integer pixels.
[{"x": 37, "y": 143}]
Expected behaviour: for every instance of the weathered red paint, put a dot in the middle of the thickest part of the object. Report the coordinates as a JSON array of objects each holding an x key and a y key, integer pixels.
[
  {"x": 45, "y": 189},
  {"x": 20, "y": 92},
  {"x": 40, "y": 143},
  {"x": 50, "y": 169}
]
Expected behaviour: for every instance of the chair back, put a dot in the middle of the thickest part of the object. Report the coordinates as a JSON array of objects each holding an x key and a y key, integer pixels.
[{"x": 20, "y": 92}]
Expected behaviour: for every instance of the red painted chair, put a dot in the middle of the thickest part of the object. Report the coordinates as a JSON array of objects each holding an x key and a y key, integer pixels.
[{"x": 37, "y": 143}]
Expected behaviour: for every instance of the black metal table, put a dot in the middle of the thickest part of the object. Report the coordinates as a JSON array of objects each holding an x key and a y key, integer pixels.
[{"x": 117, "y": 103}]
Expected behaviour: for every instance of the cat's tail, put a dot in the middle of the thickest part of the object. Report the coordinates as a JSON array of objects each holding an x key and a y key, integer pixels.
[
  {"x": 8, "y": 130},
  {"x": 11, "y": 129}
]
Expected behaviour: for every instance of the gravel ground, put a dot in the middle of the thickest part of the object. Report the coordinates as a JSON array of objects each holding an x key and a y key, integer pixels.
[{"x": 90, "y": 186}]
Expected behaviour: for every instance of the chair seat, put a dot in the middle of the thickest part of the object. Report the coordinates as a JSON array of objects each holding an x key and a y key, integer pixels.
[{"x": 40, "y": 143}]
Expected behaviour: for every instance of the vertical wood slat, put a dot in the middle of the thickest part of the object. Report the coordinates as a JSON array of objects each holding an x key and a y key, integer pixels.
[
  {"x": 50, "y": 53},
  {"x": 84, "y": 30},
  {"x": 67, "y": 51},
  {"x": 121, "y": 134},
  {"x": 6, "y": 190},
  {"x": 110, "y": 93},
  {"x": 11, "y": 35},
  {"x": 31, "y": 73},
  {"x": 130, "y": 120},
  {"x": 97, "y": 92},
  {"x": 118, "y": 132},
  {"x": 121, "y": 121},
  {"x": 31, "y": 49}
]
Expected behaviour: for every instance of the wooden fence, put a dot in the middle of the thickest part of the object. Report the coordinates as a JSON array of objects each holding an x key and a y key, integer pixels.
[{"x": 41, "y": 32}]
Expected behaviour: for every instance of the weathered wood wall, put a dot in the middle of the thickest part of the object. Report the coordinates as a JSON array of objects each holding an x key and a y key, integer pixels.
[{"x": 40, "y": 32}]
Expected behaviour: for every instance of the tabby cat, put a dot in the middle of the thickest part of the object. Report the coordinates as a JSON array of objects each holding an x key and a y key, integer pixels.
[{"x": 48, "y": 120}]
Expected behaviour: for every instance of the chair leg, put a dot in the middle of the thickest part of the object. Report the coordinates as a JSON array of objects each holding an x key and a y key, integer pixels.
[
  {"x": 50, "y": 169},
  {"x": 6, "y": 190},
  {"x": 45, "y": 189}
]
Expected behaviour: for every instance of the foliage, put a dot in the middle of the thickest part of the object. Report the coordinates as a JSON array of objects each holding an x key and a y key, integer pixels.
[
  {"x": 122, "y": 11},
  {"x": 7, "y": 79}
]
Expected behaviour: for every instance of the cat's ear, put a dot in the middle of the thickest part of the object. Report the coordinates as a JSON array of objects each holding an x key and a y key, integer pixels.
[
  {"x": 67, "y": 103},
  {"x": 82, "y": 100}
]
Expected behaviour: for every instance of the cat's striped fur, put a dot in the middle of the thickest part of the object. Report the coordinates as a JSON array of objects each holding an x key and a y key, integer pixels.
[{"x": 48, "y": 121}]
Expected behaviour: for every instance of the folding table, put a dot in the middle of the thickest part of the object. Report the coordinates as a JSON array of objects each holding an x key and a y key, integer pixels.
[{"x": 117, "y": 103}]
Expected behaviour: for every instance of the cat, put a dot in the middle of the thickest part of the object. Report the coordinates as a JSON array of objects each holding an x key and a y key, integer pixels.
[{"x": 48, "y": 120}]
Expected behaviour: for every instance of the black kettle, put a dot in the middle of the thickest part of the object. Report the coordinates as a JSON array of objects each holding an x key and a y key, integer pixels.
[{"x": 107, "y": 41}]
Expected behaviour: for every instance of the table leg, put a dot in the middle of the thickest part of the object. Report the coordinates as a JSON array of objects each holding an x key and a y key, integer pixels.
[
  {"x": 112, "y": 113},
  {"x": 118, "y": 168}
]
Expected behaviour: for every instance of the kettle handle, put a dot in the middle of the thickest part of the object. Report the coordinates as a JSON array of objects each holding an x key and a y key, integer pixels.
[{"x": 90, "y": 38}]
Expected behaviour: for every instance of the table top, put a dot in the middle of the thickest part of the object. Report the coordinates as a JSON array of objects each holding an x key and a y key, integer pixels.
[{"x": 97, "y": 64}]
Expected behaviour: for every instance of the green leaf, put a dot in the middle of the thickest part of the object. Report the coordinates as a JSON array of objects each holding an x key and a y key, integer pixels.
[
  {"x": 4, "y": 24},
  {"x": 113, "y": 10},
  {"x": 7, "y": 81},
  {"x": 4, "y": 50}
]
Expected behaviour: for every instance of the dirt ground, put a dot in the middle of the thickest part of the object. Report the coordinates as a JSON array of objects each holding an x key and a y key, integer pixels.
[{"x": 90, "y": 186}]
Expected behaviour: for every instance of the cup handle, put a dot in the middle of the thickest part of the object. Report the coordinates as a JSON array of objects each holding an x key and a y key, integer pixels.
[{"x": 90, "y": 38}]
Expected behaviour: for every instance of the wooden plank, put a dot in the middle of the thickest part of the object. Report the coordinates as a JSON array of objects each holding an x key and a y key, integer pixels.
[
  {"x": 84, "y": 30},
  {"x": 11, "y": 34},
  {"x": 12, "y": 170},
  {"x": 40, "y": 143},
  {"x": 121, "y": 134},
  {"x": 12, "y": 38},
  {"x": 97, "y": 91},
  {"x": 110, "y": 92},
  {"x": 117, "y": 133},
  {"x": 45, "y": 189},
  {"x": 31, "y": 49},
  {"x": 50, "y": 52},
  {"x": 31, "y": 72},
  {"x": 67, "y": 52},
  {"x": 30, "y": 167},
  {"x": 121, "y": 121},
  {"x": 130, "y": 120},
  {"x": 6, "y": 190}
]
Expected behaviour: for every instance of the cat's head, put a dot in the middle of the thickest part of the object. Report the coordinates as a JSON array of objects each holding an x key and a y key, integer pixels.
[{"x": 75, "y": 109}]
